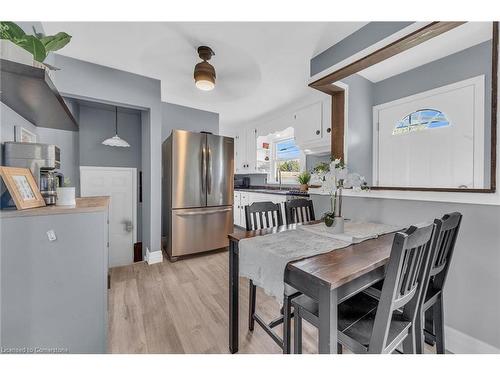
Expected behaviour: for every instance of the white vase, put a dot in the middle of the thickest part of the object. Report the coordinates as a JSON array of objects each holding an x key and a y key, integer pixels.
[
  {"x": 338, "y": 225},
  {"x": 65, "y": 196}
]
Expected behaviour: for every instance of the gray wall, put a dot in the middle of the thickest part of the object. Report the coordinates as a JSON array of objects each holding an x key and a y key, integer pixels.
[
  {"x": 472, "y": 298},
  {"x": 84, "y": 80},
  {"x": 186, "y": 118},
  {"x": 354, "y": 43},
  {"x": 97, "y": 123},
  {"x": 8, "y": 120}
]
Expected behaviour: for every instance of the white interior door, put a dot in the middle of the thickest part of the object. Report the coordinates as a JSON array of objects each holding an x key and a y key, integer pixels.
[
  {"x": 120, "y": 185},
  {"x": 449, "y": 153}
]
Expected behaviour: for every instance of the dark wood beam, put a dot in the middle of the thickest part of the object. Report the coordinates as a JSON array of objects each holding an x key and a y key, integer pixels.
[{"x": 402, "y": 44}]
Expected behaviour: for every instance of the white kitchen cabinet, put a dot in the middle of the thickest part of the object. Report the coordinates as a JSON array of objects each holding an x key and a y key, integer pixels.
[
  {"x": 312, "y": 127},
  {"x": 244, "y": 198},
  {"x": 245, "y": 151},
  {"x": 307, "y": 123}
]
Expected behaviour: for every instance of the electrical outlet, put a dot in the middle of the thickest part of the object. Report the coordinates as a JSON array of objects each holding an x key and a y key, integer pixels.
[{"x": 51, "y": 235}]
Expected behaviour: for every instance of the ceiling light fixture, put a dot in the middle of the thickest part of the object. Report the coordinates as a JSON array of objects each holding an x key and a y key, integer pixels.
[
  {"x": 204, "y": 73},
  {"x": 116, "y": 141}
]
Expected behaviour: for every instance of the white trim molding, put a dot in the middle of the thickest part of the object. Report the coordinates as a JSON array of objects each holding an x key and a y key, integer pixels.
[
  {"x": 153, "y": 257},
  {"x": 458, "y": 342}
]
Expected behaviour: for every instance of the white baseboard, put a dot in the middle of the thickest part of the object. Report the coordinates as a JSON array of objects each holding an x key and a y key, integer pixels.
[
  {"x": 153, "y": 257},
  {"x": 460, "y": 343}
]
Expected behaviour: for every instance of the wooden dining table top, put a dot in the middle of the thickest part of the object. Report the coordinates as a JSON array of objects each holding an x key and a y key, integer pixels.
[{"x": 336, "y": 267}]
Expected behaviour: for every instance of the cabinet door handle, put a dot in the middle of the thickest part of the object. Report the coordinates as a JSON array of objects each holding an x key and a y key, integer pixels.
[
  {"x": 328, "y": 130},
  {"x": 317, "y": 132}
]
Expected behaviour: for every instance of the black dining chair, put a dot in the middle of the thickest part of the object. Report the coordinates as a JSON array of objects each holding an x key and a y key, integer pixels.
[
  {"x": 261, "y": 215},
  {"x": 432, "y": 307},
  {"x": 369, "y": 325},
  {"x": 432, "y": 304},
  {"x": 299, "y": 211}
]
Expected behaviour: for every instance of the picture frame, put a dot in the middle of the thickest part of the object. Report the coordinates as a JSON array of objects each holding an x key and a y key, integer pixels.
[
  {"x": 22, "y": 187},
  {"x": 21, "y": 134}
]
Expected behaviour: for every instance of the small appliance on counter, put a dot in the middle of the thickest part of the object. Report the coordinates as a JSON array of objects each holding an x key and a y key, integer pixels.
[
  {"x": 241, "y": 182},
  {"x": 43, "y": 160}
]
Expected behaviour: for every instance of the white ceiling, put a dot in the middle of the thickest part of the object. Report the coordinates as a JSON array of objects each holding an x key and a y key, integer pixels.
[
  {"x": 260, "y": 66},
  {"x": 455, "y": 40}
]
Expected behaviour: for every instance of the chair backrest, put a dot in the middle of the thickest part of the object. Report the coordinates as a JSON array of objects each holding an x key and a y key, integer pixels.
[
  {"x": 299, "y": 211},
  {"x": 445, "y": 245},
  {"x": 408, "y": 272},
  {"x": 260, "y": 215}
]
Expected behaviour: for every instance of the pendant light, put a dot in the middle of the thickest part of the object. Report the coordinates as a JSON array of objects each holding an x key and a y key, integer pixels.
[
  {"x": 204, "y": 72},
  {"x": 116, "y": 141}
]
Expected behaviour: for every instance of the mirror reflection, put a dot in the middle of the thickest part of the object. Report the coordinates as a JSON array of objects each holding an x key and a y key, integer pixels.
[{"x": 422, "y": 118}]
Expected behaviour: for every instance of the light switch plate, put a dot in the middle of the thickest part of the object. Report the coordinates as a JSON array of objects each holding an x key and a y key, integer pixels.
[{"x": 51, "y": 235}]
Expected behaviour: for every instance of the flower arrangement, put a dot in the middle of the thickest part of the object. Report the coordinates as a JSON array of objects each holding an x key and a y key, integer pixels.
[{"x": 335, "y": 177}]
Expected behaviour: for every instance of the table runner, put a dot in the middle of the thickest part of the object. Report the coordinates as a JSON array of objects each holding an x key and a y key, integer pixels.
[{"x": 263, "y": 258}]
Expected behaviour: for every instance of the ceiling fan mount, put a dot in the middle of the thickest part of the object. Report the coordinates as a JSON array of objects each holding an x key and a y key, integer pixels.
[{"x": 205, "y": 53}]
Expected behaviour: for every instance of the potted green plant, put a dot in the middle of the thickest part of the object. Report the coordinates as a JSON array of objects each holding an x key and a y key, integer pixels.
[
  {"x": 304, "y": 179},
  {"x": 15, "y": 42}
]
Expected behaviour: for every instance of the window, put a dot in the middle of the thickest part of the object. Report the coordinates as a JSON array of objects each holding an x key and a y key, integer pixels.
[
  {"x": 287, "y": 161},
  {"x": 421, "y": 120}
]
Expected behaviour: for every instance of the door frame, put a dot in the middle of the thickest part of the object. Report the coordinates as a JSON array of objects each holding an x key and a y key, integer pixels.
[
  {"x": 134, "y": 190},
  {"x": 478, "y": 82}
]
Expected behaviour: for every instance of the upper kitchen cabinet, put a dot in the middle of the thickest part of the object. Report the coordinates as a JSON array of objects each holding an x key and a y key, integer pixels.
[
  {"x": 245, "y": 158},
  {"x": 30, "y": 92},
  {"x": 312, "y": 125}
]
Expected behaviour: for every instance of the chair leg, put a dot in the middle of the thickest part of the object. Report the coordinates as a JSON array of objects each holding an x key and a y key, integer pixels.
[
  {"x": 251, "y": 308},
  {"x": 287, "y": 324},
  {"x": 339, "y": 348},
  {"x": 439, "y": 325},
  {"x": 429, "y": 325},
  {"x": 419, "y": 333},
  {"x": 297, "y": 334},
  {"x": 409, "y": 342}
]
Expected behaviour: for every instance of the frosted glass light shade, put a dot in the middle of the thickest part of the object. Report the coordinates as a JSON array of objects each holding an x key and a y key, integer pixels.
[
  {"x": 205, "y": 85},
  {"x": 115, "y": 141}
]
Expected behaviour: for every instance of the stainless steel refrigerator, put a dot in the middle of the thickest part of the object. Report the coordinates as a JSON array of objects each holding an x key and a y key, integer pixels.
[{"x": 197, "y": 192}]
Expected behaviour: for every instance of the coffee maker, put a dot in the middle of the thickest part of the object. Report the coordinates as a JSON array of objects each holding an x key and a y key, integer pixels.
[{"x": 43, "y": 160}]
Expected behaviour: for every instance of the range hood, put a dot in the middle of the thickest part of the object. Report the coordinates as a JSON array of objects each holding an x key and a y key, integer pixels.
[{"x": 30, "y": 92}]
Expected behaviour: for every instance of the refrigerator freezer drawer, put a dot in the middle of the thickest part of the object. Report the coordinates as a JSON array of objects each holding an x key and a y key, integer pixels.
[{"x": 196, "y": 230}]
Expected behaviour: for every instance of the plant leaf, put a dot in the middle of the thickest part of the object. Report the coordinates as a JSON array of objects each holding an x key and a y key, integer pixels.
[
  {"x": 55, "y": 42},
  {"x": 33, "y": 45},
  {"x": 10, "y": 31}
]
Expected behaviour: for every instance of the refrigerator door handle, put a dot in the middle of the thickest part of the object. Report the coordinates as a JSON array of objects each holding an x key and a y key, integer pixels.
[
  {"x": 209, "y": 171},
  {"x": 204, "y": 212},
  {"x": 203, "y": 169}
]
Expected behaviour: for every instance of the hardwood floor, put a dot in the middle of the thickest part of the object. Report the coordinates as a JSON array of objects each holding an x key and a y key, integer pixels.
[{"x": 182, "y": 307}]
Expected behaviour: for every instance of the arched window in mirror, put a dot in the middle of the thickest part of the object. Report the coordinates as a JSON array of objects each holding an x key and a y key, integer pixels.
[{"x": 421, "y": 120}]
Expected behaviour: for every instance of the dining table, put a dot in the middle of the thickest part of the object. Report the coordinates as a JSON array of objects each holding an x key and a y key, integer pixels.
[{"x": 328, "y": 278}]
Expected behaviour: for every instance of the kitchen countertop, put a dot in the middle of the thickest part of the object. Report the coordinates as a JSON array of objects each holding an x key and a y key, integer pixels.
[
  {"x": 88, "y": 204},
  {"x": 272, "y": 190}
]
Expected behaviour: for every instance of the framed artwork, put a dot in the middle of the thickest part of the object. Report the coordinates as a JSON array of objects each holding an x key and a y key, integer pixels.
[
  {"x": 22, "y": 187},
  {"x": 24, "y": 135}
]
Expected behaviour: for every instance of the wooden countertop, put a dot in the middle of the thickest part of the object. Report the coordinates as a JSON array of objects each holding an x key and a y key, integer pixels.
[{"x": 89, "y": 204}]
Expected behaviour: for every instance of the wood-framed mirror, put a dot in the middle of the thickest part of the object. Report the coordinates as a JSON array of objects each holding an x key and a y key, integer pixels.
[{"x": 422, "y": 110}]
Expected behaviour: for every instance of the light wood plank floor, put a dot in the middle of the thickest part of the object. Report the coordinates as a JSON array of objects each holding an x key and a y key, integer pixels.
[{"x": 182, "y": 307}]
